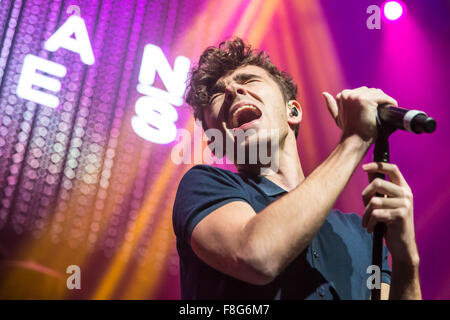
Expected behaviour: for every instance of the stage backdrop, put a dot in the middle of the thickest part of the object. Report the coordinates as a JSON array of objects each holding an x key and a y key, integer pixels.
[{"x": 91, "y": 110}]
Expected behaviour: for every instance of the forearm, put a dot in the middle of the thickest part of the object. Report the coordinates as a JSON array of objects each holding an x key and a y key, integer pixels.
[
  {"x": 405, "y": 284},
  {"x": 276, "y": 235}
]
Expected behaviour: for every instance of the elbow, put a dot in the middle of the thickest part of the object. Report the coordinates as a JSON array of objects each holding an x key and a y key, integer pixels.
[
  {"x": 261, "y": 277},
  {"x": 259, "y": 270}
]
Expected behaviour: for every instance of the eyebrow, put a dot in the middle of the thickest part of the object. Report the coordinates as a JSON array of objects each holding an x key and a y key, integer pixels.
[{"x": 219, "y": 86}]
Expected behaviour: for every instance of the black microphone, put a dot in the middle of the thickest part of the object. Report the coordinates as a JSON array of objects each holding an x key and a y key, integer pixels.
[{"x": 409, "y": 120}]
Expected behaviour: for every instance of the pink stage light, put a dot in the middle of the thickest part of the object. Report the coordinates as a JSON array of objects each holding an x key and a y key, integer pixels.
[{"x": 394, "y": 10}]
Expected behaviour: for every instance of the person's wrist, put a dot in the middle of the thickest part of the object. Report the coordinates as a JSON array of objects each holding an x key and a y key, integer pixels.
[{"x": 356, "y": 142}]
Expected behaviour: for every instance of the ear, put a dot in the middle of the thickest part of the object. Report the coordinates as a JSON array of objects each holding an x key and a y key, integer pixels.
[{"x": 294, "y": 119}]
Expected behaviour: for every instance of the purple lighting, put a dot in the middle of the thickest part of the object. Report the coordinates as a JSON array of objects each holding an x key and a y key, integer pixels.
[{"x": 394, "y": 10}]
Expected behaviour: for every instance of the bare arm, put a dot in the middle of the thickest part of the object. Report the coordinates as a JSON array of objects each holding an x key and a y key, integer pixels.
[
  {"x": 405, "y": 282},
  {"x": 257, "y": 247},
  {"x": 274, "y": 237}
]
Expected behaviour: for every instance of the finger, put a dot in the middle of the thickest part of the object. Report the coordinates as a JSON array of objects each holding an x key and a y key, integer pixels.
[
  {"x": 381, "y": 98},
  {"x": 366, "y": 215},
  {"x": 331, "y": 104},
  {"x": 345, "y": 93},
  {"x": 362, "y": 88},
  {"x": 383, "y": 187},
  {"x": 390, "y": 169},
  {"x": 381, "y": 203},
  {"x": 379, "y": 216},
  {"x": 339, "y": 101}
]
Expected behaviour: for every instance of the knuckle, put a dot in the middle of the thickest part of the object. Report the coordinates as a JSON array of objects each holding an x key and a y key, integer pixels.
[
  {"x": 345, "y": 93},
  {"x": 406, "y": 204},
  {"x": 410, "y": 197},
  {"x": 376, "y": 213},
  {"x": 375, "y": 201},
  {"x": 353, "y": 95},
  {"x": 365, "y": 100},
  {"x": 406, "y": 193},
  {"x": 402, "y": 214},
  {"x": 409, "y": 194},
  {"x": 378, "y": 182}
]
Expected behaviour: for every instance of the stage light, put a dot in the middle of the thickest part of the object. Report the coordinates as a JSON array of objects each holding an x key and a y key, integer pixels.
[{"x": 394, "y": 10}]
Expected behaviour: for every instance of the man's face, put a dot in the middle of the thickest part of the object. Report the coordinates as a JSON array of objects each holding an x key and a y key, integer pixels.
[{"x": 248, "y": 98}]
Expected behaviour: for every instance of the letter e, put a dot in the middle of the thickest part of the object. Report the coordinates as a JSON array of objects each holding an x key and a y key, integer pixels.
[{"x": 29, "y": 78}]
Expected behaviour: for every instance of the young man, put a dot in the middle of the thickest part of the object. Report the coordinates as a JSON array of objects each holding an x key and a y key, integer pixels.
[{"x": 275, "y": 235}]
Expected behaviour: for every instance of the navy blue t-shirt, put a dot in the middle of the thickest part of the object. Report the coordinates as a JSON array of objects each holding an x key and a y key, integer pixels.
[{"x": 333, "y": 266}]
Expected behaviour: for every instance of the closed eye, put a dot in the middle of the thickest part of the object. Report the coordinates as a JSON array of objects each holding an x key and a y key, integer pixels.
[
  {"x": 215, "y": 96},
  {"x": 219, "y": 88}
]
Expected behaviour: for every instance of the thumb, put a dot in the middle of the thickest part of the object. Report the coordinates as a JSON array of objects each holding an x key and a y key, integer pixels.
[{"x": 331, "y": 104}]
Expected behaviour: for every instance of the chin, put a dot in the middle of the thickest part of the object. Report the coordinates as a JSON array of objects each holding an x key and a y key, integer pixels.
[{"x": 250, "y": 145}]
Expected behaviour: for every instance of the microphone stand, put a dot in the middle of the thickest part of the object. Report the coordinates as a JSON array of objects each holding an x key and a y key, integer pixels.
[{"x": 381, "y": 154}]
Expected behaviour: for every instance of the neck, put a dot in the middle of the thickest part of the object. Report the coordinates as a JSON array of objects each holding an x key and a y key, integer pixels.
[{"x": 289, "y": 174}]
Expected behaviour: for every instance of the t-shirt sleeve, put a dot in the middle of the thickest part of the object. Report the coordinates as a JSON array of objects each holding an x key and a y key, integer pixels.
[
  {"x": 386, "y": 270},
  {"x": 202, "y": 190}
]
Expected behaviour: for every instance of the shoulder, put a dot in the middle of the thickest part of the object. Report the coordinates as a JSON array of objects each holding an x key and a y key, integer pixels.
[
  {"x": 203, "y": 189},
  {"x": 202, "y": 173},
  {"x": 203, "y": 183}
]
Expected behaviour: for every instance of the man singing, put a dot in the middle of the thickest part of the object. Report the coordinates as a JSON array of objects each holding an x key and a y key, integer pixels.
[{"x": 272, "y": 234}]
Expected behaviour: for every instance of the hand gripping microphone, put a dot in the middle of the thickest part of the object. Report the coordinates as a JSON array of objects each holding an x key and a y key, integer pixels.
[{"x": 409, "y": 120}]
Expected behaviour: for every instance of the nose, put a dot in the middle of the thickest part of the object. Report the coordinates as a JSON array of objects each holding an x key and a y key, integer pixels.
[{"x": 234, "y": 90}]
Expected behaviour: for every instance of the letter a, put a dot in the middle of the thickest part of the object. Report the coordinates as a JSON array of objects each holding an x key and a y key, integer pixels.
[
  {"x": 374, "y": 281},
  {"x": 74, "y": 281},
  {"x": 80, "y": 43},
  {"x": 373, "y": 21}
]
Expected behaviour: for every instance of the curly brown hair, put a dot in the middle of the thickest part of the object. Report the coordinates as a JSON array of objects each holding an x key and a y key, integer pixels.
[{"x": 215, "y": 62}]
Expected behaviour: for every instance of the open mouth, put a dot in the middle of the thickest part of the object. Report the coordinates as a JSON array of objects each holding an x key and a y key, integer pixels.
[{"x": 244, "y": 113}]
